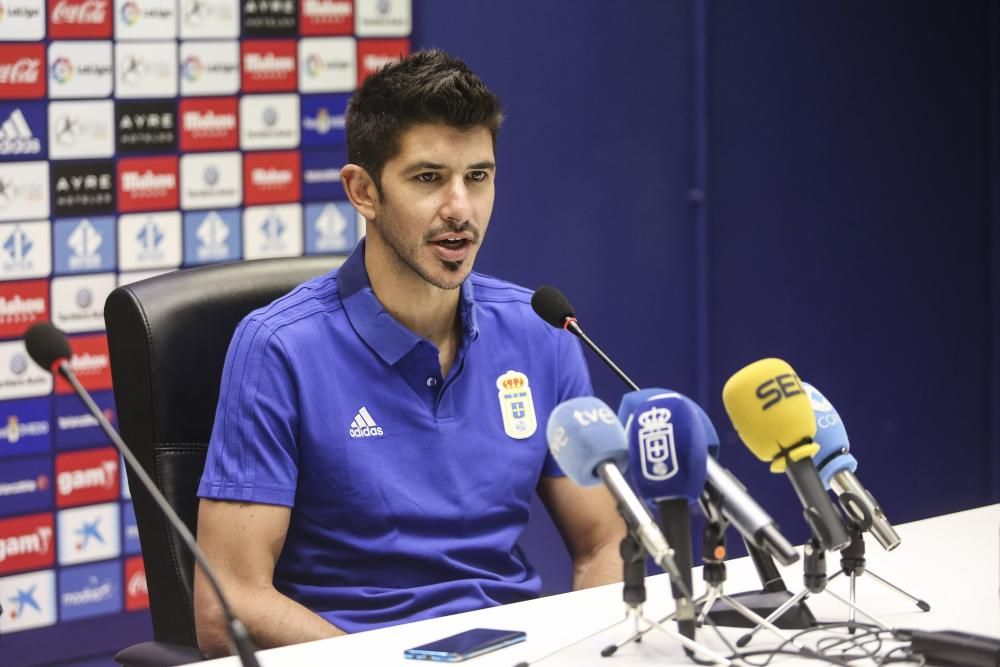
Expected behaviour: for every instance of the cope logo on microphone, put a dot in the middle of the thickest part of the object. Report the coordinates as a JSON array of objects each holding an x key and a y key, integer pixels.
[{"x": 778, "y": 388}]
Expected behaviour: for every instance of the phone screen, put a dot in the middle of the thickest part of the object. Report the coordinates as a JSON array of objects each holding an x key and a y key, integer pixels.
[{"x": 465, "y": 645}]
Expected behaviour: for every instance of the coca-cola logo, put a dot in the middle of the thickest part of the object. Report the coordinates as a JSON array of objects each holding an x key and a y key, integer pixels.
[
  {"x": 137, "y": 584},
  {"x": 88, "y": 12},
  {"x": 22, "y": 71}
]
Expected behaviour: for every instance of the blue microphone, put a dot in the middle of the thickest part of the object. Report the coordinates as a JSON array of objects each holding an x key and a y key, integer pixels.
[
  {"x": 668, "y": 448},
  {"x": 836, "y": 466},
  {"x": 588, "y": 442},
  {"x": 722, "y": 488}
]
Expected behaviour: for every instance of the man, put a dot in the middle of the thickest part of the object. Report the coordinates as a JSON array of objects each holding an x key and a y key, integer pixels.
[{"x": 381, "y": 429}]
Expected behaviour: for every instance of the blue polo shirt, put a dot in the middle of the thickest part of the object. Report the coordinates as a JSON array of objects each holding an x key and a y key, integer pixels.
[{"x": 408, "y": 490}]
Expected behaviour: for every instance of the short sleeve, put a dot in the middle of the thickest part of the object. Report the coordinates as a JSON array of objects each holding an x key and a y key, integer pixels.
[
  {"x": 574, "y": 380},
  {"x": 253, "y": 454}
]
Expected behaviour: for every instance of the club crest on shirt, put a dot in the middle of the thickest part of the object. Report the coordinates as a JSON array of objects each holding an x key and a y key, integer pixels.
[{"x": 516, "y": 406}]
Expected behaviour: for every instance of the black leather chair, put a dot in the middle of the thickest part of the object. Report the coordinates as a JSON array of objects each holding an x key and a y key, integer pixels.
[{"x": 168, "y": 338}]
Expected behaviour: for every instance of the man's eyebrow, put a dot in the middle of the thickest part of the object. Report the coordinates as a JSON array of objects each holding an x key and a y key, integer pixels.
[
  {"x": 487, "y": 164},
  {"x": 434, "y": 166}
]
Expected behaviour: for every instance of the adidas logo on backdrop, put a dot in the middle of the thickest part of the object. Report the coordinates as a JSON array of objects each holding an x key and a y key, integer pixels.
[{"x": 364, "y": 426}]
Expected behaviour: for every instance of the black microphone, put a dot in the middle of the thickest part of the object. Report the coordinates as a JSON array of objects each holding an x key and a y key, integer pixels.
[{"x": 49, "y": 348}]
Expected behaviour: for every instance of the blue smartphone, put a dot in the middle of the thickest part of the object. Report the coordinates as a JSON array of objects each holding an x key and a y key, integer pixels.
[{"x": 465, "y": 645}]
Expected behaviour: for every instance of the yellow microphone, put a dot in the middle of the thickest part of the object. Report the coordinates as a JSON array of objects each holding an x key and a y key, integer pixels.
[{"x": 773, "y": 416}]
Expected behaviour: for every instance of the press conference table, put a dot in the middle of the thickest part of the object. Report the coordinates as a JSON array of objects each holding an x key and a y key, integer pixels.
[{"x": 951, "y": 561}]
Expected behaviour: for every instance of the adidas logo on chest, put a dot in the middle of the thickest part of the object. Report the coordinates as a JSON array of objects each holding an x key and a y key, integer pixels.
[{"x": 364, "y": 426}]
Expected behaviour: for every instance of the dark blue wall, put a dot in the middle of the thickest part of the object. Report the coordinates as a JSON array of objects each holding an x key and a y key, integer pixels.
[{"x": 716, "y": 182}]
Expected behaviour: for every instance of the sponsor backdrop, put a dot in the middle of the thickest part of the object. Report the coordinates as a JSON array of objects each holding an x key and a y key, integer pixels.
[{"x": 138, "y": 137}]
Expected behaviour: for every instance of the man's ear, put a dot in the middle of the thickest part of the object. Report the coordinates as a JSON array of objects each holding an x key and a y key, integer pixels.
[{"x": 360, "y": 189}]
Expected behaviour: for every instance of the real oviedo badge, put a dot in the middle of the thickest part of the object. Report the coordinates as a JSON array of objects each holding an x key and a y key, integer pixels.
[{"x": 515, "y": 405}]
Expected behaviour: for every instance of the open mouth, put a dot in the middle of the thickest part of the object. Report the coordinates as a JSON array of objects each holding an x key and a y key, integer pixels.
[{"x": 452, "y": 243}]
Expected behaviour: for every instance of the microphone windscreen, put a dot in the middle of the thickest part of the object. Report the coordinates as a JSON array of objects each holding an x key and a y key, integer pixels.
[
  {"x": 667, "y": 447},
  {"x": 634, "y": 398},
  {"x": 771, "y": 412},
  {"x": 46, "y": 344},
  {"x": 834, "y": 448},
  {"x": 582, "y": 433},
  {"x": 552, "y": 306}
]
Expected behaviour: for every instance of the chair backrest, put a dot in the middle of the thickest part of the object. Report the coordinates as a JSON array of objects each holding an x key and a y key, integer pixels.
[{"x": 168, "y": 338}]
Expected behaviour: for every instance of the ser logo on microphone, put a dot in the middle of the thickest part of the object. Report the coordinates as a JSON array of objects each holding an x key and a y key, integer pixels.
[{"x": 777, "y": 388}]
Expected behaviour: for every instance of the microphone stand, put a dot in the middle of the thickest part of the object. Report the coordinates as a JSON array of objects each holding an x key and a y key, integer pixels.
[
  {"x": 852, "y": 557},
  {"x": 239, "y": 637}
]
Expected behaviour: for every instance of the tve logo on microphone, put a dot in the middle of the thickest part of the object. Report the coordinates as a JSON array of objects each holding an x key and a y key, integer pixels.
[
  {"x": 90, "y": 362},
  {"x": 26, "y": 543},
  {"x": 90, "y": 590},
  {"x": 88, "y": 533},
  {"x": 29, "y": 601},
  {"x": 86, "y": 477}
]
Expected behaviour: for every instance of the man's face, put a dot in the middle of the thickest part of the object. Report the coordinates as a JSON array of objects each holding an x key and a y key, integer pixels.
[{"x": 436, "y": 201}]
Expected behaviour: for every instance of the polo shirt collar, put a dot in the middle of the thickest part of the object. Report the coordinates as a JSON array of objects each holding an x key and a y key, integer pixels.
[{"x": 380, "y": 330}]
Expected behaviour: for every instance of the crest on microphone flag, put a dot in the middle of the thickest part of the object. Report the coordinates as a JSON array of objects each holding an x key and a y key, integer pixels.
[
  {"x": 516, "y": 406},
  {"x": 656, "y": 444}
]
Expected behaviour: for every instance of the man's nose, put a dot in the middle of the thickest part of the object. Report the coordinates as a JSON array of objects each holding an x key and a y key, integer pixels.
[{"x": 457, "y": 206}]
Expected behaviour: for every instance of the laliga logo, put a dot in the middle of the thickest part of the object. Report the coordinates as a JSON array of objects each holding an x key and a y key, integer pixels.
[
  {"x": 193, "y": 68},
  {"x": 656, "y": 444},
  {"x": 131, "y": 13},
  {"x": 62, "y": 70},
  {"x": 314, "y": 65}
]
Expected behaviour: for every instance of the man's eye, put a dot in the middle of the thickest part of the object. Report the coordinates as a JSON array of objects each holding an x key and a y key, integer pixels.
[
  {"x": 478, "y": 176},
  {"x": 427, "y": 177}
]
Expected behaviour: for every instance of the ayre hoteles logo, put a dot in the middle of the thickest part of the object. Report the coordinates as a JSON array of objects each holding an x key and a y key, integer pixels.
[
  {"x": 91, "y": 363},
  {"x": 146, "y": 126},
  {"x": 25, "y": 249},
  {"x": 78, "y": 301},
  {"x": 88, "y": 533},
  {"x": 22, "y": 304},
  {"x": 145, "y": 19},
  {"x": 87, "y": 477},
  {"x": 22, "y": 21},
  {"x": 207, "y": 19},
  {"x": 268, "y": 65},
  {"x": 81, "y": 129},
  {"x": 22, "y": 71},
  {"x": 80, "y": 69},
  {"x": 76, "y": 19},
  {"x": 147, "y": 183},
  {"x": 145, "y": 69},
  {"x": 149, "y": 241},
  {"x": 209, "y": 68},
  {"x": 24, "y": 190},
  {"x": 209, "y": 124},
  {"x": 84, "y": 245},
  {"x": 86, "y": 591},
  {"x": 26, "y": 543},
  {"x": 269, "y": 18},
  {"x": 29, "y": 600},
  {"x": 326, "y": 17},
  {"x": 83, "y": 188},
  {"x": 22, "y": 131}
]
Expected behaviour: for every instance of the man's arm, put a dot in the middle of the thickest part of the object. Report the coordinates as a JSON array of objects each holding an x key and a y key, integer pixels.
[
  {"x": 590, "y": 526},
  {"x": 242, "y": 542}
]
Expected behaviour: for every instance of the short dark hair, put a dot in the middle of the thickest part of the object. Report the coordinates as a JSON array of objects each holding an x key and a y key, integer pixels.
[{"x": 427, "y": 86}]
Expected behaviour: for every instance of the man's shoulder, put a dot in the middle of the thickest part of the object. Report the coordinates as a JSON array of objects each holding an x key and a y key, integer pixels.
[
  {"x": 489, "y": 289},
  {"x": 316, "y": 297}
]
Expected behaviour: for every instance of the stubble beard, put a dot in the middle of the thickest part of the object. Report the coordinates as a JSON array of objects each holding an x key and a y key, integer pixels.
[{"x": 409, "y": 254}]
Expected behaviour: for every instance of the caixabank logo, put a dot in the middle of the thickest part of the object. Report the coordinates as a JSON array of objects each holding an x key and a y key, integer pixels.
[
  {"x": 22, "y": 20},
  {"x": 77, "y": 303},
  {"x": 22, "y": 304},
  {"x": 87, "y": 534},
  {"x": 22, "y": 71},
  {"x": 77, "y": 19},
  {"x": 20, "y": 377},
  {"x": 81, "y": 129},
  {"x": 83, "y": 188},
  {"x": 80, "y": 69},
  {"x": 25, "y": 249},
  {"x": 209, "y": 124},
  {"x": 269, "y": 65},
  {"x": 75, "y": 427},
  {"x": 146, "y": 127},
  {"x": 25, "y": 486},
  {"x": 85, "y": 245},
  {"x": 147, "y": 184},
  {"x": 90, "y": 362},
  {"x": 23, "y": 131},
  {"x": 28, "y": 600},
  {"x": 27, "y": 543},
  {"x": 86, "y": 477},
  {"x": 25, "y": 427},
  {"x": 86, "y": 591},
  {"x": 326, "y": 17},
  {"x": 269, "y": 18}
]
